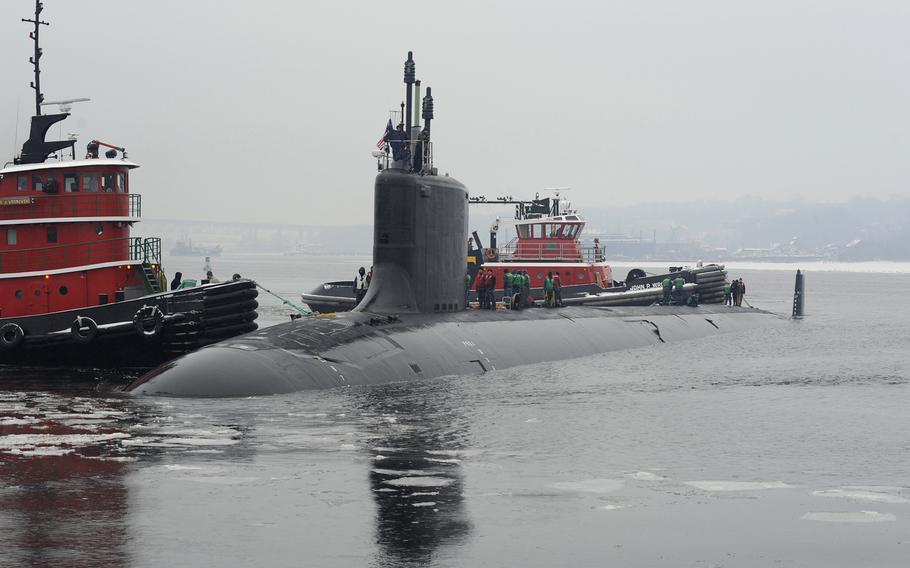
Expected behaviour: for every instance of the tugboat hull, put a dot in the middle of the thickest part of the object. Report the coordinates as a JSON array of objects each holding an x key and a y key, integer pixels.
[{"x": 142, "y": 332}]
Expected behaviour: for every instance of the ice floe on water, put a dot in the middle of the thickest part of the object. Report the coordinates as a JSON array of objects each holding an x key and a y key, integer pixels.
[
  {"x": 850, "y": 517},
  {"x": 857, "y": 494},
  {"x": 442, "y": 460},
  {"x": 645, "y": 476},
  {"x": 42, "y": 451},
  {"x": 589, "y": 485},
  {"x": 177, "y": 467},
  {"x": 423, "y": 481},
  {"x": 611, "y": 507},
  {"x": 737, "y": 485},
  {"x": 14, "y": 441}
]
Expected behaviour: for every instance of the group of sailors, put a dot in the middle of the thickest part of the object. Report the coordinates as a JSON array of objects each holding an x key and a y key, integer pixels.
[
  {"x": 516, "y": 289},
  {"x": 734, "y": 292},
  {"x": 362, "y": 282}
]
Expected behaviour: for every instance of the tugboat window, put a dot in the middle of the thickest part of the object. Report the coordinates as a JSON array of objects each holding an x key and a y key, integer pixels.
[
  {"x": 121, "y": 183},
  {"x": 37, "y": 183},
  {"x": 19, "y": 294},
  {"x": 109, "y": 183},
  {"x": 90, "y": 182},
  {"x": 70, "y": 183},
  {"x": 63, "y": 290},
  {"x": 99, "y": 229},
  {"x": 523, "y": 231},
  {"x": 52, "y": 234},
  {"x": 11, "y": 236},
  {"x": 22, "y": 183}
]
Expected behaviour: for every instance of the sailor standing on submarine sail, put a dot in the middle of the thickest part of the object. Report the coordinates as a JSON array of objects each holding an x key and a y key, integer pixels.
[{"x": 360, "y": 284}]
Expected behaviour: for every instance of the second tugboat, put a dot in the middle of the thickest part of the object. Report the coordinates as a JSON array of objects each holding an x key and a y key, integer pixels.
[{"x": 75, "y": 287}]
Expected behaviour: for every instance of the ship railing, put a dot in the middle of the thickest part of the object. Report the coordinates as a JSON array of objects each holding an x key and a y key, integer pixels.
[
  {"x": 146, "y": 250},
  {"x": 126, "y": 250},
  {"x": 569, "y": 251},
  {"x": 71, "y": 205}
]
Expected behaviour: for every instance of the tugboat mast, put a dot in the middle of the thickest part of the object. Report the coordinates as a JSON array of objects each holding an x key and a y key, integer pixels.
[{"x": 35, "y": 60}]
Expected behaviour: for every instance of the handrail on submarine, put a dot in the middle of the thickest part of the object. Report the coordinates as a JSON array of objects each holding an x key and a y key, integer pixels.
[{"x": 302, "y": 310}]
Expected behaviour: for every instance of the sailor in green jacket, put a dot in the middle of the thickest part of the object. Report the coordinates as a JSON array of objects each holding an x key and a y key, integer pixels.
[
  {"x": 667, "y": 285},
  {"x": 728, "y": 296},
  {"x": 548, "y": 290},
  {"x": 526, "y": 290},
  {"x": 678, "y": 284}
]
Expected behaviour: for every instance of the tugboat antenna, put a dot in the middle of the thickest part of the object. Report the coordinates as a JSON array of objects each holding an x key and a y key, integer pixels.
[{"x": 35, "y": 60}]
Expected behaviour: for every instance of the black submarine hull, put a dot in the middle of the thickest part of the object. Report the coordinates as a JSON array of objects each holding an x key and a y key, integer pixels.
[{"x": 360, "y": 348}]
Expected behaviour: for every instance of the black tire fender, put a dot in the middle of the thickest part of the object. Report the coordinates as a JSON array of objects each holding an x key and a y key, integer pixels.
[
  {"x": 83, "y": 330},
  {"x": 634, "y": 275},
  {"x": 147, "y": 314},
  {"x": 11, "y": 336}
]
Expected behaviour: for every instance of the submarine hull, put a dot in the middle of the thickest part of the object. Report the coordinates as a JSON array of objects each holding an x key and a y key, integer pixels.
[{"x": 360, "y": 348}]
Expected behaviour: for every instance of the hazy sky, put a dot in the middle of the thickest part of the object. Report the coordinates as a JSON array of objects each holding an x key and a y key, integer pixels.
[{"x": 267, "y": 111}]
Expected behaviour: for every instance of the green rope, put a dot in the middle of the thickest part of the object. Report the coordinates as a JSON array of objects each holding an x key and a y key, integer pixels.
[{"x": 303, "y": 311}]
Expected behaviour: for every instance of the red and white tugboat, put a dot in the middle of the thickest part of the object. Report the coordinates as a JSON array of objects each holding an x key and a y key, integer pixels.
[
  {"x": 548, "y": 241},
  {"x": 75, "y": 286}
]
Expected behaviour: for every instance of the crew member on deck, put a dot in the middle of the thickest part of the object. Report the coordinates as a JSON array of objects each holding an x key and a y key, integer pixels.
[
  {"x": 548, "y": 290},
  {"x": 360, "y": 284},
  {"x": 178, "y": 278},
  {"x": 728, "y": 298},
  {"x": 211, "y": 277},
  {"x": 678, "y": 284},
  {"x": 480, "y": 285},
  {"x": 667, "y": 285},
  {"x": 398, "y": 140},
  {"x": 557, "y": 289}
]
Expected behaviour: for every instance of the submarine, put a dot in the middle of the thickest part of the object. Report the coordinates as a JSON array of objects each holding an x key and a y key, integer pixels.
[{"x": 414, "y": 322}]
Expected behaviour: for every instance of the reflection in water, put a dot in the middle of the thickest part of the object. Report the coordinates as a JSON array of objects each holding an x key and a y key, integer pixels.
[
  {"x": 62, "y": 497},
  {"x": 416, "y": 477}
]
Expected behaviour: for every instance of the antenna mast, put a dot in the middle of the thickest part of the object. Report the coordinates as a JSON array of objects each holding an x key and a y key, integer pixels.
[{"x": 35, "y": 60}]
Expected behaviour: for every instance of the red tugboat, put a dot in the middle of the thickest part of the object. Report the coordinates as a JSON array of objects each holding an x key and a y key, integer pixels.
[{"x": 75, "y": 286}]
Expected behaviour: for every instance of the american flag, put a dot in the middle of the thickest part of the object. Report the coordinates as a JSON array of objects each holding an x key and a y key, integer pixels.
[{"x": 388, "y": 128}]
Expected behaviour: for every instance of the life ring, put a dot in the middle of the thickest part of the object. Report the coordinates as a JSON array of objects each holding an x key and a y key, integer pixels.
[
  {"x": 11, "y": 336},
  {"x": 83, "y": 330},
  {"x": 490, "y": 254},
  {"x": 143, "y": 315}
]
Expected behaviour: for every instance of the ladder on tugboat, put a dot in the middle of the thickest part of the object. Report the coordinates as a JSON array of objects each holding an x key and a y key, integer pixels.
[{"x": 151, "y": 278}]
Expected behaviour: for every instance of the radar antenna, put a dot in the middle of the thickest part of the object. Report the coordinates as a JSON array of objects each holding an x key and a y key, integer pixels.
[{"x": 35, "y": 60}]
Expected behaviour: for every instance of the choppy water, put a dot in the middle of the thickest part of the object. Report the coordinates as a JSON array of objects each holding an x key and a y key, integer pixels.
[{"x": 789, "y": 447}]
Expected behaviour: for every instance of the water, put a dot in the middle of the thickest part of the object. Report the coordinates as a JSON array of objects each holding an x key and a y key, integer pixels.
[{"x": 787, "y": 447}]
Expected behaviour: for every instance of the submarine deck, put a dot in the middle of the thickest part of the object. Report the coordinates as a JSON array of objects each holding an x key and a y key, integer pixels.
[{"x": 360, "y": 348}]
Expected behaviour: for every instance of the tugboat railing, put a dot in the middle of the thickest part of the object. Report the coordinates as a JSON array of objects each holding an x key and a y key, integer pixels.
[
  {"x": 73, "y": 205},
  {"x": 549, "y": 251},
  {"x": 126, "y": 249}
]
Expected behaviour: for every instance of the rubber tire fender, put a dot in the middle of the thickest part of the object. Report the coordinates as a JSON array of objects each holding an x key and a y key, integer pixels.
[
  {"x": 634, "y": 275},
  {"x": 145, "y": 313},
  {"x": 7, "y": 341},
  {"x": 76, "y": 330}
]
